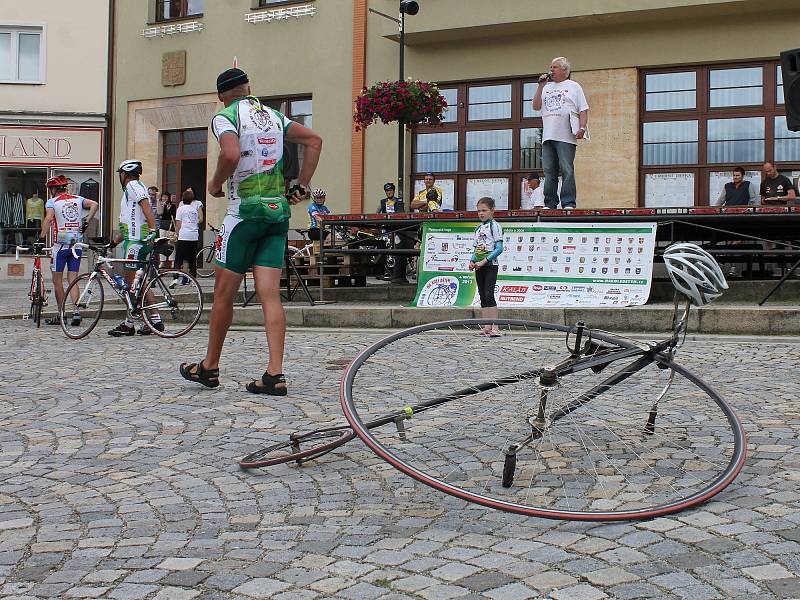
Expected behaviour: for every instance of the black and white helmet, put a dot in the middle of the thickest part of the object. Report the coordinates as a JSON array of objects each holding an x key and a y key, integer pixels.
[
  {"x": 318, "y": 193},
  {"x": 694, "y": 273},
  {"x": 130, "y": 166}
]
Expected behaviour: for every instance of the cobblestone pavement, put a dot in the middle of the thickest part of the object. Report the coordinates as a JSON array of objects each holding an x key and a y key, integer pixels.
[{"x": 120, "y": 482}]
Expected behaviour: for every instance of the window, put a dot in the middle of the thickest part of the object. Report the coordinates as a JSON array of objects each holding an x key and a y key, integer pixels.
[
  {"x": 489, "y": 150},
  {"x": 787, "y": 143},
  {"x": 736, "y": 87},
  {"x": 488, "y": 142},
  {"x": 736, "y": 140},
  {"x": 670, "y": 143},
  {"x": 699, "y": 122},
  {"x": 167, "y": 10},
  {"x": 436, "y": 152},
  {"x": 21, "y": 55},
  {"x": 489, "y": 102},
  {"x": 670, "y": 91},
  {"x": 265, "y": 3},
  {"x": 183, "y": 151}
]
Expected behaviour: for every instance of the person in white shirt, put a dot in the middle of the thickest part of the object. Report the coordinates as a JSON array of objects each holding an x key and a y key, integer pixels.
[
  {"x": 565, "y": 114},
  {"x": 188, "y": 216},
  {"x": 533, "y": 194}
]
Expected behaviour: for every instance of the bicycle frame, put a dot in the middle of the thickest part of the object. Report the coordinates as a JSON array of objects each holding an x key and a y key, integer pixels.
[
  {"x": 36, "y": 295},
  {"x": 131, "y": 298},
  {"x": 585, "y": 353}
]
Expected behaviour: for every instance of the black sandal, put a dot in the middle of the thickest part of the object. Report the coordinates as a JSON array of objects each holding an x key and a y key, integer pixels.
[
  {"x": 270, "y": 382},
  {"x": 208, "y": 377}
]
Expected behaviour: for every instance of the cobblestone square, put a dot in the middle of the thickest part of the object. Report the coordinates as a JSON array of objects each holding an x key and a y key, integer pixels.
[{"x": 118, "y": 479}]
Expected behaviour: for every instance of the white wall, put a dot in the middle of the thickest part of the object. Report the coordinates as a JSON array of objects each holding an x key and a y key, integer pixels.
[{"x": 76, "y": 55}]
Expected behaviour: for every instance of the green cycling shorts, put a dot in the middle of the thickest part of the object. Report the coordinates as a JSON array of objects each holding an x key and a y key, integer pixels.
[
  {"x": 244, "y": 244},
  {"x": 135, "y": 250}
]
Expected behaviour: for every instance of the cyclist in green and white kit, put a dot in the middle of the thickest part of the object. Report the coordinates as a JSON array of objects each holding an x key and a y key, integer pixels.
[{"x": 253, "y": 234}]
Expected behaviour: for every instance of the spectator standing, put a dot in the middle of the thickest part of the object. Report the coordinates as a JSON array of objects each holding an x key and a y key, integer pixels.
[
  {"x": 776, "y": 189},
  {"x": 420, "y": 202},
  {"x": 167, "y": 222},
  {"x": 739, "y": 192},
  {"x": 565, "y": 114},
  {"x": 187, "y": 225},
  {"x": 403, "y": 240},
  {"x": 488, "y": 245},
  {"x": 155, "y": 201}
]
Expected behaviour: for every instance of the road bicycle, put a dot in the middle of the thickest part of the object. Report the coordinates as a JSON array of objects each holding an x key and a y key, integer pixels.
[
  {"x": 37, "y": 292},
  {"x": 170, "y": 302},
  {"x": 205, "y": 256},
  {"x": 553, "y": 421}
]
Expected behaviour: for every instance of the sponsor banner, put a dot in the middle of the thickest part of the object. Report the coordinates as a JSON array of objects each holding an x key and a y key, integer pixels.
[{"x": 542, "y": 264}]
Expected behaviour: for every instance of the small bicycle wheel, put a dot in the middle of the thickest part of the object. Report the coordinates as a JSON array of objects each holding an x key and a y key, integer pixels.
[
  {"x": 296, "y": 448},
  {"x": 205, "y": 262},
  {"x": 175, "y": 306},
  {"x": 38, "y": 299},
  {"x": 82, "y": 306},
  {"x": 486, "y": 425}
]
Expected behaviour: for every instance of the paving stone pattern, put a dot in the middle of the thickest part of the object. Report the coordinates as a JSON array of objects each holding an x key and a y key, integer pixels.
[{"x": 118, "y": 480}]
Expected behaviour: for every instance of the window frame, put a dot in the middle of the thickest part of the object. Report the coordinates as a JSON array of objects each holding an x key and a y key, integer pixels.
[
  {"x": 178, "y": 158},
  {"x": 261, "y": 4},
  {"x": 158, "y": 16},
  {"x": 704, "y": 112},
  {"x": 463, "y": 124},
  {"x": 16, "y": 29}
]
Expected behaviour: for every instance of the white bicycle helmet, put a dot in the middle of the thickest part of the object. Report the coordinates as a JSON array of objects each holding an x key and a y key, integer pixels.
[
  {"x": 318, "y": 193},
  {"x": 694, "y": 273},
  {"x": 131, "y": 166}
]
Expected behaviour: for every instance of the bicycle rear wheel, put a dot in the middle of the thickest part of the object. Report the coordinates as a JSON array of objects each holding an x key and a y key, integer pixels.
[
  {"x": 84, "y": 298},
  {"x": 205, "y": 262},
  {"x": 475, "y": 399},
  {"x": 176, "y": 305},
  {"x": 296, "y": 448}
]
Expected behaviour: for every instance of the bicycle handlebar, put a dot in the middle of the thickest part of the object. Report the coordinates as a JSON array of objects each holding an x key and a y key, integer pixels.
[
  {"x": 99, "y": 249},
  {"x": 41, "y": 248}
]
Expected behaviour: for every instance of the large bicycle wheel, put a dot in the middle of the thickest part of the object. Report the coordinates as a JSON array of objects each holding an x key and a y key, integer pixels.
[
  {"x": 176, "y": 304},
  {"x": 82, "y": 306},
  {"x": 205, "y": 262},
  {"x": 596, "y": 451},
  {"x": 299, "y": 448}
]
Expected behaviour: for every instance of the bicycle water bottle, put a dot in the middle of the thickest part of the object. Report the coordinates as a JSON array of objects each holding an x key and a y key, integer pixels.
[
  {"x": 137, "y": 280},
  {"x": 120, "y": 282}
]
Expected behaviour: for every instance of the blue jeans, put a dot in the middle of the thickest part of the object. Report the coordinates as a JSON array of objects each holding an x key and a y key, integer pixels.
[{"x": 559, "y": 156}]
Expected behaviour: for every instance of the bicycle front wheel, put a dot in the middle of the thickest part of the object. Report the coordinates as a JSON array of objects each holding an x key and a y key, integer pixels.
[
  {"x": 82, "y": 306},
  {"x": 205, "y": 262},
  {"x": 482, "y": 424},
  {"x": 175, "y": 306}
]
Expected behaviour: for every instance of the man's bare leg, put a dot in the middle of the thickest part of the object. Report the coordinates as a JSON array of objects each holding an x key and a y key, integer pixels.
[
  {"x": 75, "y": 293},
  {"x": 58, "y": 287},
  {"x": 268, "y": 282},
  {"x": 225, "y": 288}
]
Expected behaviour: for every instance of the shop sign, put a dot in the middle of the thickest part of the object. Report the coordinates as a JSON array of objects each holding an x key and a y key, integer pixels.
[{"x": 55, "y": 146}]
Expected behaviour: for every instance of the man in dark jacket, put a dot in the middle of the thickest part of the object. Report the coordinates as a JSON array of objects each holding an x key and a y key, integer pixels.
[{"x": 403, "y": 240}]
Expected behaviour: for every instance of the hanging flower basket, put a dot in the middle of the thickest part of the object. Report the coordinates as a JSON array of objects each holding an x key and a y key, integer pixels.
[{"x": 410, "y": 102}]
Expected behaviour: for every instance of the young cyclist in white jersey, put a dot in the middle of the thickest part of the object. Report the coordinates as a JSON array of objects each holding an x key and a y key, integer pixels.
[
  {"x": 69, "y": 217},
  {"x": 488, "y": 246},
  {"x": 254, "y": 231},
  {"x": 137, "y": 228}
]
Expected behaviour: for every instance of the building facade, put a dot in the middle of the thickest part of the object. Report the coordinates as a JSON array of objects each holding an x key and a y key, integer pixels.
[
  {"x": 54, "y": 60},
  {"x": 680, "y": 92}
]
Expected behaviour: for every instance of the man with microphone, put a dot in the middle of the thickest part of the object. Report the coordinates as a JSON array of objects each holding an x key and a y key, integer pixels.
[{"x": 565, "y": 114}]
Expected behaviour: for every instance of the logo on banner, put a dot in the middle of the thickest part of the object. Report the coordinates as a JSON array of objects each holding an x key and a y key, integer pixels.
[{"x": 439, "y": 291}]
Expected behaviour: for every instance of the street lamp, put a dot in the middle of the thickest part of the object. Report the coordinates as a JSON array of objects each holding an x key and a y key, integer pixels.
[{"x": 407, "y": 7}]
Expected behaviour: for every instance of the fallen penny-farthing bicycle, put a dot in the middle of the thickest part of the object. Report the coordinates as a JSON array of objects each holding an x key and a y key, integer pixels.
[{"x": 610, "y": 429}]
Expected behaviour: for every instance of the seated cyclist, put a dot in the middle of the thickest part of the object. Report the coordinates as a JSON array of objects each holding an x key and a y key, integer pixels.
[
  {"x": 136, "y": 231},
  {"x": 69, "y": 217},
  {"x": 316, "y": 209}
]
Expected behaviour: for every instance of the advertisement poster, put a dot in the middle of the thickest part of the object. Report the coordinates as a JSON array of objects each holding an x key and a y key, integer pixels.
[{"x": 542, "y": 265}]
